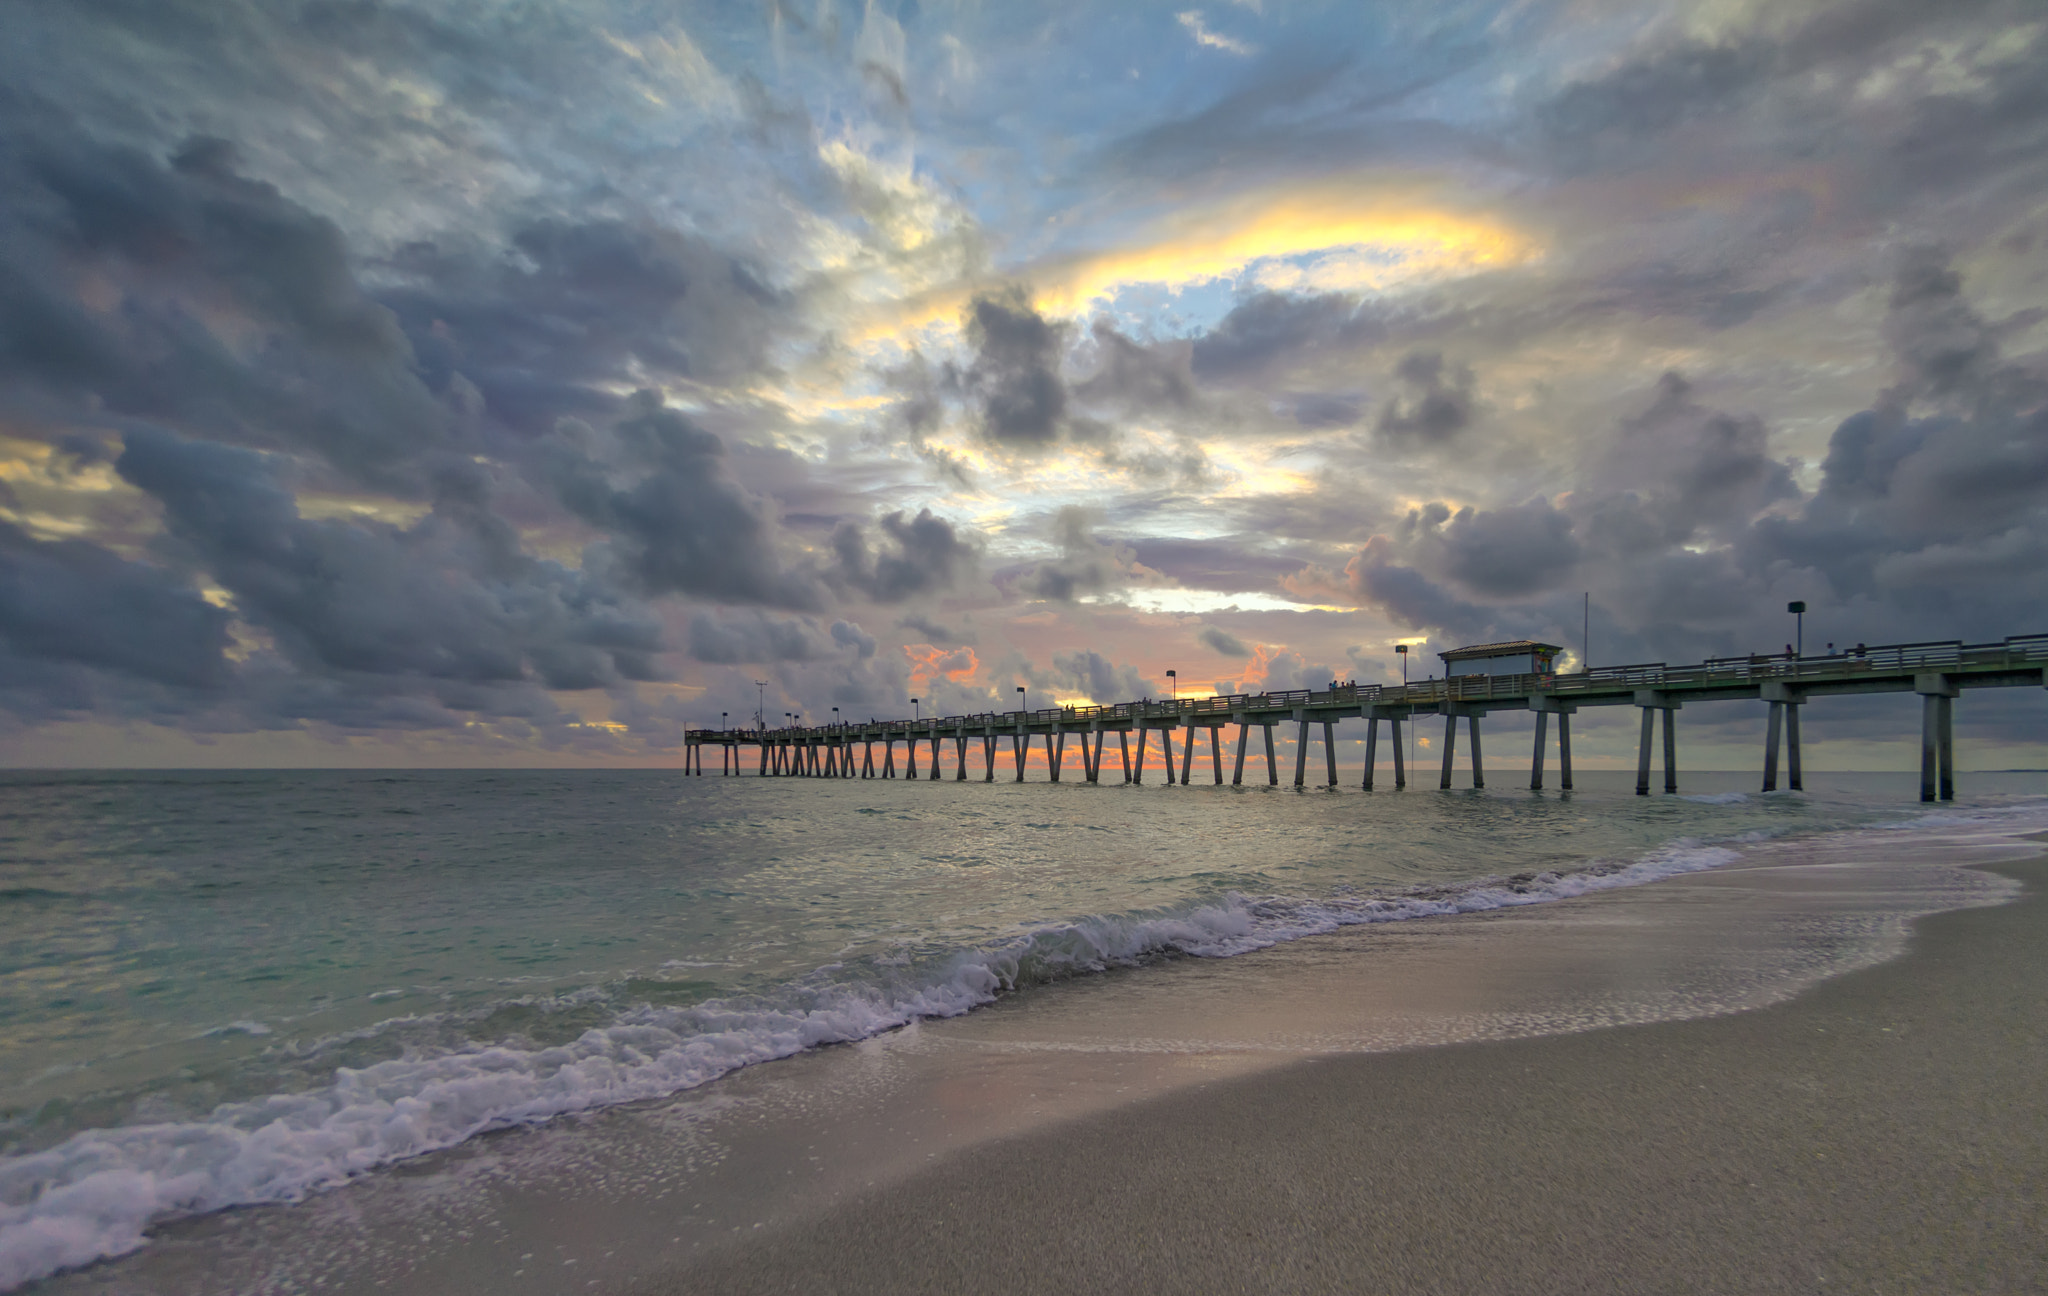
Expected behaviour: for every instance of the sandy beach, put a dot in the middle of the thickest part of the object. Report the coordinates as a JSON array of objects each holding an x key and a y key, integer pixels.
[
  {"x": 1812, "y": 1069},
  {"x": 1885, "y": 1132}
]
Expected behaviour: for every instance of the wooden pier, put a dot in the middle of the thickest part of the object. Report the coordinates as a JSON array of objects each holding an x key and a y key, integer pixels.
[{"x": 1937, "y": 672}]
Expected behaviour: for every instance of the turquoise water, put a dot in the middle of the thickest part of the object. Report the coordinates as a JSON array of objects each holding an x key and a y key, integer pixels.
[{"x": 230, "y": 987}]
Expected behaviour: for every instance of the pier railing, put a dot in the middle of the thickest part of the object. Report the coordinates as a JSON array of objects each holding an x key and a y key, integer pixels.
[{"x": 2015, "y": 652}]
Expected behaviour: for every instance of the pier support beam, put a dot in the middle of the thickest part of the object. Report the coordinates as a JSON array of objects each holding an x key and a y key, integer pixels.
[
  {"x": 1478, "y": 764},
  {"x": 1651, "y": 702},
  {"x": 1542, "y": 743},
  {"x": 1301, "y": 751},
  {"x": 1450, "y": 746},
  {"x": 1216, "y": 753},
  {"x": 1937, "y": 737},
  {"x": 888, "y": 758},
  {"x": 910, "y": 758},
  {"x": 960, "y": 753},
  {"x": 1400, "y": 754},
  {"x": 1055, "y": 751},
  {"x": 1670, "y": 750},
  {"x": 1123, "y": 746},
  {"x": 1244, "y": 736},
  {"x": 1372, "y": 748},
  {"x": 1564, "y": 751},
  {"x": 1795, "y": 776},
  {"x": 1143, "y": 735},
  {"x": 1782, "y": 725},
  {"x": 1272, "y": 765},
  {"x": 1020, "y": 748},
  {"x": 1330, "y": 750},
  {"x": 1187, "y": 758},
  {"x": 1094, "y": 761},
  {"x": 937, "y": 753},
  {"x": 988, "y": 756}
]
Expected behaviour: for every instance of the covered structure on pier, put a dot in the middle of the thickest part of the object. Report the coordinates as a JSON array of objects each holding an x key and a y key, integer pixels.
[{"x": 1515, "y": 657}]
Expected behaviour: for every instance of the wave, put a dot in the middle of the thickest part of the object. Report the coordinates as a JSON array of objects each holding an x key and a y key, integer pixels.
[{"x": 93, "y": 1196}]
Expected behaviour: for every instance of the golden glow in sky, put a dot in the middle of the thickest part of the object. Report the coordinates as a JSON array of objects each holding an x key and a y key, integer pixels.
[{"x": 1329, "y": 238}]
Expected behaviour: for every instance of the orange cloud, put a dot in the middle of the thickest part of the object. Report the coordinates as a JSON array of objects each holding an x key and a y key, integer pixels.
[{"x": 928, "y": 663}]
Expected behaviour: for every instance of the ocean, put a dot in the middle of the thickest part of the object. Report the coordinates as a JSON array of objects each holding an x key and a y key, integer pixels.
[{"x": 229, "y": 988}]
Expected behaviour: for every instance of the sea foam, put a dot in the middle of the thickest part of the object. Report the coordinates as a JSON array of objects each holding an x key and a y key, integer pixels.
[{"x": 94, "y": 1195}]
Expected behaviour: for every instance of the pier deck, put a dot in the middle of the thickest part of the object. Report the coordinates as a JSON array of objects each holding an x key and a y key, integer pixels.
[{"x": 1937, "y": 672}]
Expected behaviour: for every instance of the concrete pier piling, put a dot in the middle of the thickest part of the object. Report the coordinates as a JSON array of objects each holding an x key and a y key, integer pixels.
[{"x": 1936, "y": 672}]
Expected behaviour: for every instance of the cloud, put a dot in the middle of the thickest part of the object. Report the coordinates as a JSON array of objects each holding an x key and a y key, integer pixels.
[
  {"x": 933, "y": 633},
  {"x": 570, "y": 311},
  {"x": 1264, "y": 329},
  {"x": 1015, "y": 375},
  {"x": 1437, "y": 402},
  {"x": 1099, "y": 679},
  {"x": 756, "y": 637},
  {"x": 1222, "y": 641},
  {"x": 217, "y": 304},
  {"x": 1689, "y": 470},
  {"x": 1192, "y": 21},
  {"x": 1510, "y": 552},
  {"x": 926, "y": 555},
  {"x": 446, "y": 599},
  {"x": 678, "y": 522},
  {"x": 1136, "y": 378},
  {"x": 1087, "y": 564},
  {"x": 71, "y": 601}
]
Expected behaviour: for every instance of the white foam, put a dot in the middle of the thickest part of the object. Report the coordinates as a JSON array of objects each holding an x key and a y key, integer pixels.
[
  {"x": 92, "y": 1196},
  {"x": 1717, "y": 798}
]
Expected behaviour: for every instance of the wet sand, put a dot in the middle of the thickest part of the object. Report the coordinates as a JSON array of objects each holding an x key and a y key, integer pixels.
[
  {"x": 1502, "y": 1102},
  {"x": 1887, "y": 1131}
]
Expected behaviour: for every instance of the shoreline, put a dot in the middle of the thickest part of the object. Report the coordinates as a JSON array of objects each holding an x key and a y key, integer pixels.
[
  {"x": 1884, "y": 1131},
  {"x": 623, "y": 1196}
]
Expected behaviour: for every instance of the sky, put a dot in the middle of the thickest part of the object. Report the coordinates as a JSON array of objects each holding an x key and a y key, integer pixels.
[{"x": 464, "y": 383}]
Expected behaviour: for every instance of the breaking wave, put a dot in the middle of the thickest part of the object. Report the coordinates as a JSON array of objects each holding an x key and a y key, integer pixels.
[{"x": 94, "y": 1195}]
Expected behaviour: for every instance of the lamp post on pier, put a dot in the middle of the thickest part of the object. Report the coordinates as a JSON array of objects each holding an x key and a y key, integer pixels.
[
  {"x": 915, "y": 714},
  {"x": 1798, "y": 610},
  {"x": 1174, "y": 687},
  {"x": 1022, "y": 699}
]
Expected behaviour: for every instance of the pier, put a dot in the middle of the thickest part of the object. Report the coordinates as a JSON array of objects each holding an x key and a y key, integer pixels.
[{"x": 1937, "y": 673}]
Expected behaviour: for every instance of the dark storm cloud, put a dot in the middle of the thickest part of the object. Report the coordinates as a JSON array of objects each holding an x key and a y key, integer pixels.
[
  {"x": 1405, "y": 595},
  {"x": 225, "y": 307},
  {"x": 921, "y": 555},
  {"x": 440, "y": 600},
  {"x": 1618, "y": 117},
  {"x": 71, "y": 601},
  {"x": 1320, "y": 410},
  {"x": 1304, "y": 106},
  {"x": 1933, "y": 505},
  {"x": 1097, "y": 677},
  {"x": 1265, "y": 329},
  {"x": 1087, "y": 563},
  {"x": 1435, "y": 404},
  {"x": 938, "y": 636},
  {"x": 572, "y": 310},
  {"x": 1510, "y": 552},
  {"x": 1015, "y": 377},
  {"x": 1222, "y": 641},
  {"x": 1805, "y": 89},
  {"x": 1132, "y": 377},
  {"x": 757, "y": 638},
  {"x": 677, "y": 523},
  {"x": 1227, "y": 566},
  {"x": 1689, "y": 470}
]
